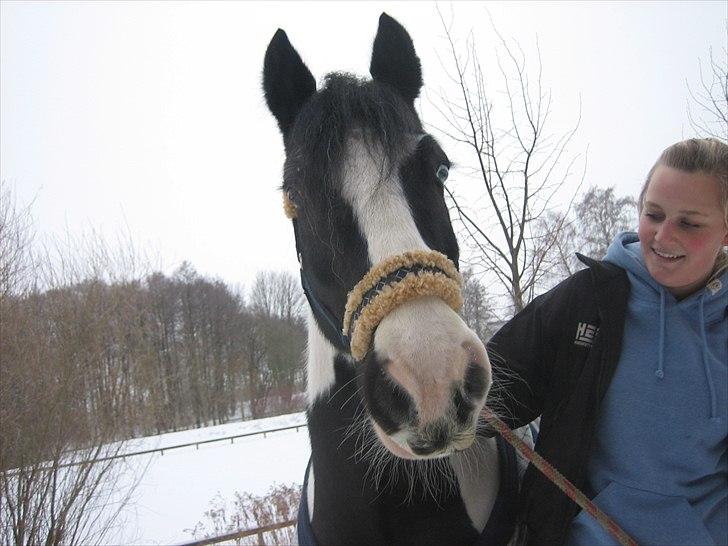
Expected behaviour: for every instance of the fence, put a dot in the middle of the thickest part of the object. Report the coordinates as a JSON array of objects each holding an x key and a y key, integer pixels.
[
  {"x": 242, "y": 534},
  {"x": 161, "y": 450}
]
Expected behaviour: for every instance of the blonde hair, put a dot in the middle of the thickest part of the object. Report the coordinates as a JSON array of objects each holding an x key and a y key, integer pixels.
[{"x": 704, "y": 155}]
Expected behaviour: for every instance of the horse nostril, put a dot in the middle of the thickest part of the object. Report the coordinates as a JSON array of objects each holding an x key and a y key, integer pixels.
[
  {"x": 463, "y": 407},
  {"x": 475, "y": 382},
  {"x": 389, "y": 404},
  {"x": 473, "y": 389}
]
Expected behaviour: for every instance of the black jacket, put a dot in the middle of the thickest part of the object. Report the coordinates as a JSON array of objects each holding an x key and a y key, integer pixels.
[{"x": 564, "y": 346}]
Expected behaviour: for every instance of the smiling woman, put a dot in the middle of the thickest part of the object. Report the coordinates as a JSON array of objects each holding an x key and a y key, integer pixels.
[
  {"x": 684, "y": 216},
  {"x": 626, "y": 364}
]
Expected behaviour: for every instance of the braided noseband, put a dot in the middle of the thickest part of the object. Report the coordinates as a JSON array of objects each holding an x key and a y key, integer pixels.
[
  {"x": 387, "y": 285},
  {"x": 392, "y": 282}
]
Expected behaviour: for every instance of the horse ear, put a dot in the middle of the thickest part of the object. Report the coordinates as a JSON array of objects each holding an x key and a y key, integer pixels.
[
  {"x": 287, "y": 82},
  {"x": 394, "y": 60}
]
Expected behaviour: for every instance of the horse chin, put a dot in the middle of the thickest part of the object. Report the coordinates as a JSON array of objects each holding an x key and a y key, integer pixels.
[
  {"x": 394, "y": 447},
  {"x": 404, "y": 452}
]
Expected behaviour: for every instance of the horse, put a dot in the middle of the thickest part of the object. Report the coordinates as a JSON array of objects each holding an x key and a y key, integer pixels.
[{"x": 395, "y": 379}]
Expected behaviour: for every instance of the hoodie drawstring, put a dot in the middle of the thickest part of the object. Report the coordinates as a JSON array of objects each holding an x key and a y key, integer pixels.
[
  {"x": 706, "y": 363},
  {"x": 660, "y": 372}
]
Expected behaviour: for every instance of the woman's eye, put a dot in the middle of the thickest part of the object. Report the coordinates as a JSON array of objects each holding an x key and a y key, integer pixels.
[
  {"x": 442, "y": 172},
  {"x": 689, "y": 224}
]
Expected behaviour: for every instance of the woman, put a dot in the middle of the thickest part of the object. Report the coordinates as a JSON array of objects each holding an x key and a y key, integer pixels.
[{"x": 626, "y": 362}]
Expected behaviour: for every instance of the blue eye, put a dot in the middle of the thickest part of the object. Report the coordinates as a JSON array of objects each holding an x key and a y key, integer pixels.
[{"x": 442, "y": 173}]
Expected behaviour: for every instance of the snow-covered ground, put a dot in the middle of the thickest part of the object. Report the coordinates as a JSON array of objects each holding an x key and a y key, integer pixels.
[{"x": 176, "y": 488}]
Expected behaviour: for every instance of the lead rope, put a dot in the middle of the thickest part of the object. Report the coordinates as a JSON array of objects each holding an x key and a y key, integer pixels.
[{"x": 559, "y": 480}]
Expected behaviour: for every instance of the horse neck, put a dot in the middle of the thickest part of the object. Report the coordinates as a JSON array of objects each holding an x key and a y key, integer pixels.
[
  {"x": 334, "y": 405},
  {"x": 320, "y": 375},
  {"x": 340, "y": 490}
]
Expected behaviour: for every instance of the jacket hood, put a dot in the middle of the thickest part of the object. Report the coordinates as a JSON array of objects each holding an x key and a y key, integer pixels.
[
  {"x": 625, "y": 252},
  {"x": 705, "y": 306}
]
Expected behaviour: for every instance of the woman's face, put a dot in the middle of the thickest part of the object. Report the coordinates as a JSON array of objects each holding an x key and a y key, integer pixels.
[{"x": 682, "y": 228}]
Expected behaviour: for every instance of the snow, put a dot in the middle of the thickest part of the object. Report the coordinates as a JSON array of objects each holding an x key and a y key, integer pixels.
[{"x": 175, "y": 489}]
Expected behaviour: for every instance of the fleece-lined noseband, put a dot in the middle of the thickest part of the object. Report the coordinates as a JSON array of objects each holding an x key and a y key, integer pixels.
[{"x": 387, "y": 285}]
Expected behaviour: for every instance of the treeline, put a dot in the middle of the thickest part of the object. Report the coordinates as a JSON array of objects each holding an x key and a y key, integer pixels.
[{"x": 153, "y": 355}]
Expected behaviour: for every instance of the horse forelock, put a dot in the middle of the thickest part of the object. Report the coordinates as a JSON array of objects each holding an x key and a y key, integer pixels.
[{"x": 316, "y": 147}]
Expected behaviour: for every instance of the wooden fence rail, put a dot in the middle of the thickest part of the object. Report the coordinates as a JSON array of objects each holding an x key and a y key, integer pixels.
[
  {"x": 161, "y": 450},
  {"x": 242, "y": 534}
]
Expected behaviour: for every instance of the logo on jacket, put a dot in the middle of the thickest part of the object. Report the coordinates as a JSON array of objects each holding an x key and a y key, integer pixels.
[{"x": 585, "y": 334}]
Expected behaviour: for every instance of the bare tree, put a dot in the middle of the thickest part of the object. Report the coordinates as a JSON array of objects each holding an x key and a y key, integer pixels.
[
  {"x": 562, "y": 231},
  {"x": 711, "y": 99},
  {"x": 164, "y": 369},
  {"x": 16, "y": 236},
  {"x": 258, "y": 374},
  {"x": 600, "y": 216},
  {"x": 595, "y": 221},
  {"x": 275, "y": 342},
  {"x": 476, "y": 311},
  {"x": 56, "y": 480},
  {"x": 520, "y": 165},
  {"x": 59, "y": 482},
  {"x": 276, "y": 294}
]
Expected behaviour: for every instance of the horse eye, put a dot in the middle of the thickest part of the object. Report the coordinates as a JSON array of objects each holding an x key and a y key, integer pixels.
[{"x": 442, "y": 172}]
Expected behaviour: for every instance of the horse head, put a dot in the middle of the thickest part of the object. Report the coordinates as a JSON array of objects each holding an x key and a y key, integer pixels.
[{"x": 365, "y": 183}]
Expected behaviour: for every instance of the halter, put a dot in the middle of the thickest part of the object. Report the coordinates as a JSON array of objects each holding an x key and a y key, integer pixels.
[{"x": 387, "y": 285}]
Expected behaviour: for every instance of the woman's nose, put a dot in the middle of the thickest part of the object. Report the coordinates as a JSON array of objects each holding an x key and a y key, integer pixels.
[{"x": 665, "y": 231}]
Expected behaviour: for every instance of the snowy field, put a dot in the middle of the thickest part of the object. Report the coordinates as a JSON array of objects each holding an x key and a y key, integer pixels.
[{"x": 176, "y": 488}]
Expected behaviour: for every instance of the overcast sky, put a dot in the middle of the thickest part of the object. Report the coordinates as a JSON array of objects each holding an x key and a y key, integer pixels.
[{"x": 148, "y": 118}]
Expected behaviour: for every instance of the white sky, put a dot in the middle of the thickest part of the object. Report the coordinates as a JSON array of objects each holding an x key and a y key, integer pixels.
[{"x": 149, "y": 117}]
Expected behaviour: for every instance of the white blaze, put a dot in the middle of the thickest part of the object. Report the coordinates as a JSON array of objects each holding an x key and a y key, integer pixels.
[{"x": 380, "y": 206}]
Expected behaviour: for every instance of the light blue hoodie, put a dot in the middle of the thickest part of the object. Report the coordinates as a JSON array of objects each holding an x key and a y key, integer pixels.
[{"x": 659, "y": 465}]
